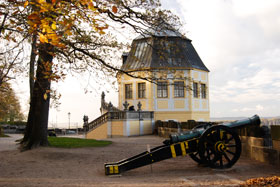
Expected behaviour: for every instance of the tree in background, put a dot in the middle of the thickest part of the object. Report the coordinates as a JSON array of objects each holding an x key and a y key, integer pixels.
[
  {"x": 10, "y": 68},
  {"x": 9, "y": 105},
  {"x": 10, "y": 62},
  {"x": 72, "y": 34}
]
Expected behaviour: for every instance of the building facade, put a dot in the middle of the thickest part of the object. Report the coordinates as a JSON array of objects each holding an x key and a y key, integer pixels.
[
  {"x": 162, "y": 78},
  {"x": 169, "y": 78}
]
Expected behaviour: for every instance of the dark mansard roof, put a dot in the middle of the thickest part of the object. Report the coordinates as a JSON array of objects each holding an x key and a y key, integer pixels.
[{"x": 160, "y": 50}]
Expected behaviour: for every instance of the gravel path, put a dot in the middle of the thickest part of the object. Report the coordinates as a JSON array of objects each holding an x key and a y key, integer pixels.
[
  {"x": 85, "y": 167},
  {"x": 8, "y": 143}
]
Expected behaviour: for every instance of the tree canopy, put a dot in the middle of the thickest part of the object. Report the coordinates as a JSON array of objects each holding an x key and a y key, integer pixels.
[
  {"x": 80, "y": 31},
  {"x": 75, "y": 34}
]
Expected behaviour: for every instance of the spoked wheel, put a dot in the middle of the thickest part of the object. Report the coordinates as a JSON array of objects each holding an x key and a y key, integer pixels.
[
  {"x": 219, "y": 147},
  {"x": 195, "y": 157}
]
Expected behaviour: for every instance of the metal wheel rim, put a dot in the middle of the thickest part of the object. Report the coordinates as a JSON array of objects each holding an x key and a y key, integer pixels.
[
  {"x": 215, "y": 157},
  {"x": 196, "y": 158}
]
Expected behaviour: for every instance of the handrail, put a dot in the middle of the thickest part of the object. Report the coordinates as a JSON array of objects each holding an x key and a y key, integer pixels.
[
  {"x": 97, "y": 122},
  {"x": 119, "y": 115}
]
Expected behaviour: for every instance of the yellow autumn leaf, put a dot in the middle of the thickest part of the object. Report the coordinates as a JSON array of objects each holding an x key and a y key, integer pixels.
[
  {"x": 53, "y": 26},
  {"x": 91, "y": 6},
  {"x": 68, "y": 32},
  {"x": 25, "y": 4},
  {"x": 45, "y": 96},
  {"x": 54, "y": 39},
  {"x": 43, "y": 38},
  {"x": 41, "y": 1}
]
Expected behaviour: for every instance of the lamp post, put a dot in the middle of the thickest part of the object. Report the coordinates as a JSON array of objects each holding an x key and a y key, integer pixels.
[{"x": 69, "y": 119}]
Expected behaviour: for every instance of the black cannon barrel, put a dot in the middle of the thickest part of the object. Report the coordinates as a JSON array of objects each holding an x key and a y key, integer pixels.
[
  {"x": 179, "y": 137},
  {"x": 254, "y": 120}
]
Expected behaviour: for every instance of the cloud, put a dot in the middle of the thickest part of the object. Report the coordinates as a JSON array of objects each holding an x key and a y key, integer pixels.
[
  {"x": 262, "y": 86},
  {"x": 222, "y": 36},
  {"x": 238, "y": 40},
  {"x": 256, "y": 108},
  {"x": 246, "y": 8}
]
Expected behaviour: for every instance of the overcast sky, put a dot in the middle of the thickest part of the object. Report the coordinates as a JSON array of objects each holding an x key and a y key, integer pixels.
[{"x": 239, "y": 42}]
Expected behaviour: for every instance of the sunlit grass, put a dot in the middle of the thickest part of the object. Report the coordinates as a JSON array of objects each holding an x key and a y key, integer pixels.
[
  {"x": 64, "y": 142},
  {"x": 4, "y": 136}
]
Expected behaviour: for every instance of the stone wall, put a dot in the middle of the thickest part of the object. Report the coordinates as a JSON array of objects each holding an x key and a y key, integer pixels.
[
  {"x": 252, "y": 147},
  {"x": 165, "y": 131}
]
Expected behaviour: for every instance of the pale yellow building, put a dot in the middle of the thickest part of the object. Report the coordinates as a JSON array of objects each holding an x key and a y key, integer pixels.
[
  {"x": 178, "y": 80},
  {"x": 165, "y": 74}
]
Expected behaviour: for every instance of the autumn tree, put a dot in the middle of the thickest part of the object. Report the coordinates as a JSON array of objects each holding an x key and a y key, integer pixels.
[
  {"x": 76, "y": 34},
  {"x": 10, "y": 62},
  {"x": 10, "y": 68},
  {"x": 10, "y": 109}
]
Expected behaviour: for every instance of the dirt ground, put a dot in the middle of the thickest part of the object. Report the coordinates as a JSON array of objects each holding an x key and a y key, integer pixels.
[{"x": 85, "y": 167}]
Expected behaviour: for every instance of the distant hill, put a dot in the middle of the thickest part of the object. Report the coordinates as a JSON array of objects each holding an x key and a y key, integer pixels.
[
  {"x": 271, "y": 121},
  {"x": 264, "y": 120},
  {"x": 227, "y": 118}
]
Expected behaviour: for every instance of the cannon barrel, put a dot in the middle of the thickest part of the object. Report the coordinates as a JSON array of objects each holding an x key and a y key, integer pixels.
[
  {"x": 179, "y": 137},
  {"x": 254, "y": 120}
]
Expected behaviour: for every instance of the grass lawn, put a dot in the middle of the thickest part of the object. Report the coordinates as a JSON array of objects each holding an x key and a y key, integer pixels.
[
  {"x": 63, "y": 142},
  {"x": 3, "y": 136}
]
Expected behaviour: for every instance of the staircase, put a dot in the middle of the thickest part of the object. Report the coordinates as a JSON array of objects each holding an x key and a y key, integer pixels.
[
  {"x": 119, "y": 124},
  {"x": 120, "y": 115}
]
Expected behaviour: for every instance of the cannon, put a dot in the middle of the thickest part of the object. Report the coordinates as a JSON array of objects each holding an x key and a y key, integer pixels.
[{"x": 215, "y": 146}]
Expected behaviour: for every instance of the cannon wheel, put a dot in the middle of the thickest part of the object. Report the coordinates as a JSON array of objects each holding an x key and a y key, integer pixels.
[
  {"x": 195, "y": 155},
  {"x": 219, "y": 147}
]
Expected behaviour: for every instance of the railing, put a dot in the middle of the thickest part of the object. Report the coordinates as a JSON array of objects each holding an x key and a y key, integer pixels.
[
  {"x": 117, "y": 115},
  {"x": 98, "y": 121},
  {"x": 139, "y": 115},
  {"x": 120, "y": 115}
]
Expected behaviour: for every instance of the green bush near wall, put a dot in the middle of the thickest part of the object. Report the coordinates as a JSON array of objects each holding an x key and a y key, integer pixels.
[
  {"x": 275, "y": 132},
  {"x": 19, "y": 123}
]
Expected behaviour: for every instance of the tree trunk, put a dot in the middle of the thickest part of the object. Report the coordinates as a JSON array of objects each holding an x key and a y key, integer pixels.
[
  {"x": 32, "y": 63},
  {"x": 37, "y": 124}
]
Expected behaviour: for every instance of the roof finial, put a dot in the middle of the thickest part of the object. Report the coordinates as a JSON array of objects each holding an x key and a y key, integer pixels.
[{"x": 103, "y": 96}]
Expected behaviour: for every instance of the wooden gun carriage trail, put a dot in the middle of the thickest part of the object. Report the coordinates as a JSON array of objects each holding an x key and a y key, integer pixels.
[{"x": 215, "y": 146}]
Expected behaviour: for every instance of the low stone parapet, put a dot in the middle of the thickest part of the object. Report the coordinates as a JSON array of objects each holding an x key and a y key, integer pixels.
[
  {"x": 165, "y": 131},
  {"x": 252, "y": 147},
  {"x": 265, "y": 154},
  {"x": 276, "y": 145}
]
